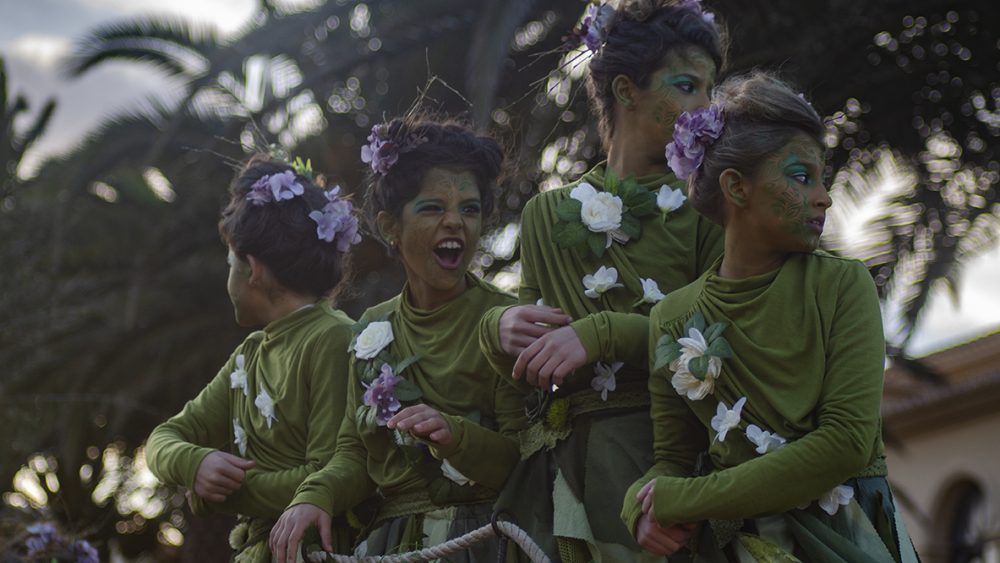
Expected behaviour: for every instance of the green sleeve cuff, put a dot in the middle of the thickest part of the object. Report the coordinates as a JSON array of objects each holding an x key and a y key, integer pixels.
[
  {"x": 609, "y": 336},
  {"x": 457, "y": 424},
  {"x": 631, "y": 509}
]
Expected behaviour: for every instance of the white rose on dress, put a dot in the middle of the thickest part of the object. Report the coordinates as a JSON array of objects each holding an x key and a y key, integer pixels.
[
  {"x": 668, "y": 199},
  {"x": 685, "y": 383},
  {"x": 726, "y": 419},
  {"x": 240, "y": 437},
  {"x": 600, "y": 281},
  {"x": 265, "y": 404},
  {"x": 764, "y": 440},
  {"x": 832, "y": 500},
  {"x": 604, "y": 380},
  {"x": 373, "y": 339},
  {"x": 238, "y": 379},
  {"x": 455, "y": 475},
  {"x": 601, "y": 212}
]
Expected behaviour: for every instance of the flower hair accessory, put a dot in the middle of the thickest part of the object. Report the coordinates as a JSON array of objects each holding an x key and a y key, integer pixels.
[
  {"x": 693, "y": 133},
  {"x": 385, "y": 144},
  {"x": 336, "y": 221},
  {"x": 274, "y": 187},
  {"x": 593, "y": 30},
  {"x": 695, "y": 6}
]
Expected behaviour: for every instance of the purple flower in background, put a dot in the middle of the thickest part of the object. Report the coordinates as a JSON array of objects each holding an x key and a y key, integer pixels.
[
  {"x": 274, "y": 187},
  {"x": 84, "y": 552},
  {"x": 596, "y": 25},
  {"x": 693, "y": 132},
  {"x": 380, "y": 395},
  {"x": 336, "y": 221},
  {"x": 41, "y": 536},
  {"x": 381, "y": 152},
  {"x": 695, "y": 6}
]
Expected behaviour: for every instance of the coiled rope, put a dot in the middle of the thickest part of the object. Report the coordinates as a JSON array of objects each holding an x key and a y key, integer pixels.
[{"x": 499, "y": 528}]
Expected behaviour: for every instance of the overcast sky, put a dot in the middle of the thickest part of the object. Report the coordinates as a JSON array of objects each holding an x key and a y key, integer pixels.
[{"x": 36, "y": 34}]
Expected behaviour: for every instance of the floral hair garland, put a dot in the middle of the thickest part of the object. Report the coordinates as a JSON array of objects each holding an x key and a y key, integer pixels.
[
  {"x": 594, "y": 29},
  {"x": 693, "y": 133},
  {"x": 335, "y": 222},
  {"x": 385, "y": 144},
  {"x": 696, "y": 7}
]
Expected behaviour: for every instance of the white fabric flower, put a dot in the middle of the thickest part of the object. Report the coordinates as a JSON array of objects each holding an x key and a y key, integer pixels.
[
  {"x": 240, "y": 437},
  {"x": 373, "y": 339},
  {"x": 238, "y": 379},
  {"x": 690, "y": 386},
  {"x": 265, "y": 404},
  {"x": 764, "y": 440},
  {"x": 455, "y": 475},
  {"x": 605, "y": 380},
  {"x": 668, "y": 199},
  {"x": 651, "y": 291},
  {"x": 726, "y": 419},
  {"x": 601, "y": 211},
  {"x": 685, "y": 383},
  {"x": 836, "y": 497},
  {"x": 600, "y": 281}
]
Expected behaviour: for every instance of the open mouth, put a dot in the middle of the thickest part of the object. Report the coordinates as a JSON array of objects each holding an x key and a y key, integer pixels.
[
  {"x": 816, "y": 224},
  {"x": 449, "y": 252}
]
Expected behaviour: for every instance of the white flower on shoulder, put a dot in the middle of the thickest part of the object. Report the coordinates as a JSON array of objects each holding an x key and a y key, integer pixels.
[
  {"x": 601, "y": 212},
  {"x": 685, "y": 383},
  {"x": 605, "y": 380},
  {"x": 836, "y": 497},
  {"x": 265, "y": 404},
  {"x": 540, "y": 302},
  {"x": 455, "y": 475},
  {"x": 238, "y": 379},
  {"x": 650, "y": 291},
  {"x": 600, "y": 281},
  {"x": 373, "y": 339},
  {"x": 668, "y": 199},
  {"x": 240, "y": 437},
  {"x": 726, "y": 419},
  {"x": 764, "y": 440}
]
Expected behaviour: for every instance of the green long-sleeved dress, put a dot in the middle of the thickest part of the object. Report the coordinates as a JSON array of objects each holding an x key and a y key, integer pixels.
[
  {"x": 300, "y": 363},
  {"x": 418, "y": 506},
  {"x": 808, "y": 357},
  {"x": 585, "y": 447}
]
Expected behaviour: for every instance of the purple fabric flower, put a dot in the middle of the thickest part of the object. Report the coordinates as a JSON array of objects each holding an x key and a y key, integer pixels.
[
  {"x": 41, "y": 536},
  {"x": 596, "y": 25},
  {"x": 274, "y": 187},
  {"x": 336, "y": 221},
  {"x": 381, "y": 396},
  {"x": 381, "y": 152},
  {"x": 84, "y": 552},
  {"x": 695, "y": 6},
  {"x": 693, "y": 132}
]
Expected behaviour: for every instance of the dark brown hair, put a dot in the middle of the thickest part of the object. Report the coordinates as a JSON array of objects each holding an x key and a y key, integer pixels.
[
  {"x": 447, "y": 145},
  {"x": 643, "y": 34},
  {"x": 281, "y": 234},
  {"x": 762, "y": 114}
]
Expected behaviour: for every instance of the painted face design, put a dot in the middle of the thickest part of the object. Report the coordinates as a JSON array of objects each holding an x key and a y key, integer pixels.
[
  {"x": 793, "y": 199},
  {"x": 683, "y": 83},
  {"x": 439, "y": 232}
]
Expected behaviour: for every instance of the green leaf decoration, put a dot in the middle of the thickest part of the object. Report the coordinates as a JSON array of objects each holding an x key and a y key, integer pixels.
[
  {"x": 407, "y": 390},
  {"x": 667, "y": 350},
  {"x": 714, "y": 330},
  {"x": 631, "y": 226},
  {"x": 720, "y": 348},
  {"x": 611, "y": 181},
  {"x": 368, "y": 371},
  {"x": 645, "y": 205},
  {"x": 697, "y": 321},
  {"x": 699, "y": 367},
  {"x": 597, "y": 242},
  {"x": 405, "y": 363},
  {"x": 568, "y": 210},
  {"x": 569, "y": 235}
]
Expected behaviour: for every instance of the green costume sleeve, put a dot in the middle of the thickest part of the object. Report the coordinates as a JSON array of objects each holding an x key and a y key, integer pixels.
[
  {"x": 265, "y": 493},
  {"x": 176, "y": 448},
  {"x": 839, "y": 448},
  {"x": 610, "y": 336},
  {"x": 489, "y": 342},
  {"x": 529, "y": 292},
  {"x": 483, "y": 455},
  {"x": 343, "y": 482}
]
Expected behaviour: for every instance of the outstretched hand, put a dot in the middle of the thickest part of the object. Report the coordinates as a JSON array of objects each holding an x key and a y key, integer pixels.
[
  {"x": 286, "y": 535},
  {"x": 551, "y": 358},
  {"x": 523, "y": 324},
  {"x": 220, "y": 475}
]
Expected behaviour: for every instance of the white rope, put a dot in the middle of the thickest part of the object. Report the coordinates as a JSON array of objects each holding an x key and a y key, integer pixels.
[{"x": 509, "y": 529}]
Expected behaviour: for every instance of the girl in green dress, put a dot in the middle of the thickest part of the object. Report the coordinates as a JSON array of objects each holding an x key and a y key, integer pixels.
[
  {"x": 270, "y": 416},
  {"x": 606, "y": 247},
  {"x": 431, "y": 425},
  {"x": 766, "y": 372}
]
